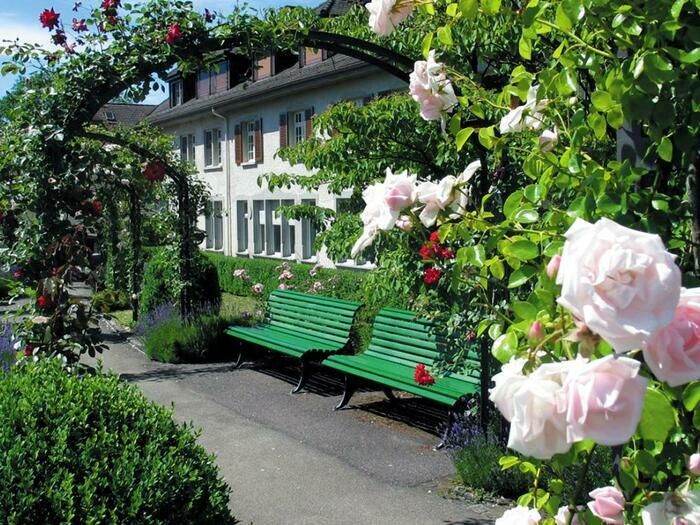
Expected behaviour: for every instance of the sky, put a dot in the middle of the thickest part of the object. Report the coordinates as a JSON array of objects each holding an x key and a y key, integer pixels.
[{"x": 20, "y": 19}]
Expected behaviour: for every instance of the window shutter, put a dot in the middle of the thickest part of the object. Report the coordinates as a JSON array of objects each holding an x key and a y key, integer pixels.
[
  {"x": 283, "y": 130},
  {"x": 309, "y": 122},
  {"x": 238, "y": 138},
  {"x": 259, "y": 155}
]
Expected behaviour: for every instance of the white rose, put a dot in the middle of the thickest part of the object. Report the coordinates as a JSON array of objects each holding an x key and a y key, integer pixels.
[
  {"x": 674, "y": 509},
  {"x": 386, "y": 15},
  {"x": 430, "y": 87},
  {"x": 619, "y": 282},
  {"x": 506, "y": 384},
  {"x": 519, "y": 516},
  {"x": 527, "y": 116}
]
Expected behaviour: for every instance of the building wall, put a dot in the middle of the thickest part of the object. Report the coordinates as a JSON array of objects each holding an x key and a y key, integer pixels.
[{"x": 243, "y": 179}]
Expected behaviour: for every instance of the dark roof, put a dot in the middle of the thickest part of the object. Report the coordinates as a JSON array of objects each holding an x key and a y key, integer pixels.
[
  {"x": 338, "y": 7},
  {"x": 286, "y": 82},
  {"x": 124, "y": 114}
]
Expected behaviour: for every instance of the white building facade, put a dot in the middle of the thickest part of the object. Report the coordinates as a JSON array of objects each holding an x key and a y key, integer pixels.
[{"x": 231, "y": 128}]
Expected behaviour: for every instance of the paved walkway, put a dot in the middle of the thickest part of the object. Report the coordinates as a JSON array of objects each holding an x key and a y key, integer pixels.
[{"x": 291, "y": 460}]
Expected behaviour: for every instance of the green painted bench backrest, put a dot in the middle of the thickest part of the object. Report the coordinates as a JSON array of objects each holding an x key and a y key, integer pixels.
[
  {"x": 401, "y": 336},
  {"x": 311, "y": 315}
]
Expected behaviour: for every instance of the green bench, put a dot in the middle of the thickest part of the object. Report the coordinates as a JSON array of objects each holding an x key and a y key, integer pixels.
[
  {"x": 400, "y": 341},
  {"x": 299, "y": 325}
]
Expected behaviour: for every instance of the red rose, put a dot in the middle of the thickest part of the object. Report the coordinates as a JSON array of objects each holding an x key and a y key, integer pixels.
[
  {"x": 113, "y": 20},
  {"x": 471, "y": 335},
  {"x": 43, "y": 302},
  {"x": 17, "y": 274},
  {"x": 49, "y": 18},
  {"x": 446, "y": 253},
  {"x": 431, "y": 276},
  {"x": 29, "y": 350},
  {"x": 79, "y": 25},
  {"x": 435, "y": 236},
  {"x": 154, "y": 171},
  {"x": 425, "y": 252},
  {"x": 96, "y": 207},
  {"x": 422, "y": 376},
  {"x": 174, "y": 34},
  {"x": 111, "y": 4}
]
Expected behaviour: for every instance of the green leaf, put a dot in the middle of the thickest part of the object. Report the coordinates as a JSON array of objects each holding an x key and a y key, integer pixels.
[
  {"x": 524, "y": 310},
  {"x": 427, "y": 44},
  {"x": 524, "y": 250},
  {"x": 665, "y": 149},
  {"x": 602, "y": 100},
  {"x": 690, "y": 57},
  {"x": 469, "y": 8},
  {"x": 452, "y": 10},
  {"x": 497, "y": 268},
  {"x": 676, "y": 8},
  {"x": 507, "y": 462},
  {"x": 512, "y": 204},
  {"x": 525, "y": 47},
  {"x": 462, "y": 137},
  {"x": 526, "y": 216},
  {"x": 562, "y": 20},
  {"x": 645, "y": 462},
  {"x": 521, "y": 276},
  {"x": 691, "y": 396},
  {"x": 505, "y": 347},
  {"x": 597, "y": 123},
  {"x": 490, "y": 7},
  {"x": 658, "y": 416},
  {"x": 444, "y": 34}
]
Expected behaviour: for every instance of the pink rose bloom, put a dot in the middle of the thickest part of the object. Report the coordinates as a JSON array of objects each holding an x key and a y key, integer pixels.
[
  {"x": 608, "y": 504},
  {"x": 536, "y": 332},
  {"x": 519, "y": 516},
  {"x": 386, "y": 15},
  {"x": 404, "y": 223},
  {"x": 283, "y": 286},
  {"x": 621, "y": 283},
  {"x": 400, "y": 190},
  {"x": 673, "y": 353},
  {"x": 506, "y": 384},
  {"x": 258, "y": 288},
  {"x": 538, "y": 428},
  {"x": 603, "y": 400},
  {"x": 430, "y": 87},
  {"x": 694, "y": 464},
  {"x": 553, "y": 266}
]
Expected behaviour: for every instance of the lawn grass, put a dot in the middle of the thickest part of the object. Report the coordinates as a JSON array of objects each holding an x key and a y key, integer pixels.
[{"x": 123, "y": 318}]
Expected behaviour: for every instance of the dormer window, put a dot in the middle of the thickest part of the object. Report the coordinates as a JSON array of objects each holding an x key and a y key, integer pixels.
[
  {"x": 110, "y": 116},
  {"x": 175, "y": 93}
]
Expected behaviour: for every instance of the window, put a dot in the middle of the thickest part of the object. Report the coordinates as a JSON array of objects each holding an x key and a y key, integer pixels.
[
  {"x": 215, "y": 226},
  {"x": 212, "y": 147},
  {"x": 242, "y": 226},
  {"x": 272, "y": 233},
  {"x": 109, "y": 115},
  {"x": 249, "y": 141},
  {"x": 175, "y": 93},
  {"x": 187, "y": 148},
  {"x": 297, "y": 127},
  {"x": 308, "y": 234}
]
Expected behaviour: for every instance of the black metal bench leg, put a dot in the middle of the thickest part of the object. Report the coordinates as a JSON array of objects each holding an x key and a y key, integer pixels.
[
  {"x": 350, "y": 387},
  {"x": 303, "y": 375},
  {"x": 240, "y": 358},
  {"x": 389, "y": 393}
]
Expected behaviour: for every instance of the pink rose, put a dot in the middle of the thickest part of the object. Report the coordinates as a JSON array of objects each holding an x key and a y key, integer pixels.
[
  {"x": 603, "y": 400},
  {"x": 562, "y": 517},
  {"x": 536, "y": 332},
  {"x": 400, "y": 190},
  {"x": 553, "y": 266},
  {"x": 430, "y": 87},
  {"x": 608, "y": 504},
  {"x": 621, "y": 283},
  {"x": 519, "y": 516},
  {"x": 538, "y": 428},
  {"x": 404, "y": 223},
  {"x": 386, "y": 15},
  {"x": 673, "y": 353},
  {"x": 694, "y": 464}
]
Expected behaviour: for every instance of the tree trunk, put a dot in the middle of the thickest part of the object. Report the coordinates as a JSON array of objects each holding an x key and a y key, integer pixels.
[
  {"x": 186, "y": 244},
  {"x": 694, "y": 198},
  {"x": 136, "y": 262}
]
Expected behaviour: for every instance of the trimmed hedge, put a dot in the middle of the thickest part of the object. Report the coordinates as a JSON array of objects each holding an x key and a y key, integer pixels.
[
  {"x": 161, "y": 282},
  {"x": 341, "y": 283},
  {"x": 89, "y": 449}
]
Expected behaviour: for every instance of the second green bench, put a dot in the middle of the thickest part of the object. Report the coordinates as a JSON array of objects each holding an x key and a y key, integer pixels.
[{"x": 300, "y": 325}]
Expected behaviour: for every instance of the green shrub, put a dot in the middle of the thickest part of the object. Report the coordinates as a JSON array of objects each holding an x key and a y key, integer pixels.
[
  {"x": 89, "y": 449},
  {"x": 160, "y": 343},
  {"x": 106, "y": 301},
  {"x": 162, "y": 283}
]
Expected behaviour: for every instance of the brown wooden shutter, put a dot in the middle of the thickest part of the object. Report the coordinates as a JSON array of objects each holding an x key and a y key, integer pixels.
[
  {"x": 259, "y": 154},
  {"x": 238, "y": 138},
  {"x": 309, "y": 122},
  {"x": 283, "y": 130}
]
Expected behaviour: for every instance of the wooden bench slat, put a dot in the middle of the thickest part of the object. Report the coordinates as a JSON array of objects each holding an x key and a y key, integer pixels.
[
  {"x": 280, "y": 312},
  {"x": 342, "y": 318},
  {"x": 316, "y": 308},
  {"x": 329, "y": 302}
]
